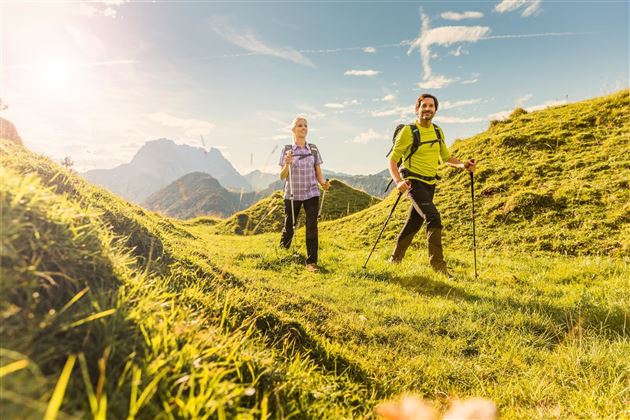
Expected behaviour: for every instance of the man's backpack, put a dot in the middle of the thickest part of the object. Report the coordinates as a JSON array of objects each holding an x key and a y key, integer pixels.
[{"x": 417, "y": 142}]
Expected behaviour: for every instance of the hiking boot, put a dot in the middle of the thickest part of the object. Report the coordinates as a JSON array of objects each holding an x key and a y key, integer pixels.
[
  {"x": 434, "y": 244},
  {"x": 312, "y": 268}
]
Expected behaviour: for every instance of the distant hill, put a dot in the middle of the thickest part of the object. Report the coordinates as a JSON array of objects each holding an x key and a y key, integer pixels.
[
  {"x": 267, "y": 215},
  {"x": 554, "y": 180},
  {"x": 372, "y": 184},
  {"x": 260, "y": 180},
  {"x": 160, "y": 162},
  {"x": 198, "y": 194},
  {"x": 9, "y": 132}
]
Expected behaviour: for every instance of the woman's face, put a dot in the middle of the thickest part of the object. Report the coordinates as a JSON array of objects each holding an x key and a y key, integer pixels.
[{"x": 300, "y": 129}]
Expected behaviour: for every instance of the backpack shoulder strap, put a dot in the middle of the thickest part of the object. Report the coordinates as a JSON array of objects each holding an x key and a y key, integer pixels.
[
  {"x": 416, "y": 141},
  {"x": 438, "y": 132},
  {"x": 287, "y": 147}
]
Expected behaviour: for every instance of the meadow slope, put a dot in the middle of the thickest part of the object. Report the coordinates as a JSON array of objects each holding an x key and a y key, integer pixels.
[
  {"x": 111, "y": 309},
  {"x": 553, "y": 181}
]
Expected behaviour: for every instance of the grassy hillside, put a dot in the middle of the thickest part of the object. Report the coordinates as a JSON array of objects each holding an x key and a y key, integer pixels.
[
  {"x": 268, "y": 214},
  {"x": 198, "y": 194},
  {"x": 551, "y": 181},
  {"x": 111, "y": 310}
]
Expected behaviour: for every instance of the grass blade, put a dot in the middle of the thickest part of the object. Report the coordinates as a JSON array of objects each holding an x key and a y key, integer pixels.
[{"x": 60, "y": 389}]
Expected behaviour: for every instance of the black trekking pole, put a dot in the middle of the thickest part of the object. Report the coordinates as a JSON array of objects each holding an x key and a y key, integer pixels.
[
  {"x": 382, "y": 229},
  {"x": 472, "y": 194}
]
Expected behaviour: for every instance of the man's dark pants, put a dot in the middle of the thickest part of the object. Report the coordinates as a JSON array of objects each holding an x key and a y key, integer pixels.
[
  {"x": 422, "y": 210},
  {"x": 311, "y": 207}
]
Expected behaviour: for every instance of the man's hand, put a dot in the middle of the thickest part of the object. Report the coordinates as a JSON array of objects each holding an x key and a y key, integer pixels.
[
  {"x": 289, "y": 157},
  {"x": 470, "y": 165},
  {"x": 403, "y": 186}
]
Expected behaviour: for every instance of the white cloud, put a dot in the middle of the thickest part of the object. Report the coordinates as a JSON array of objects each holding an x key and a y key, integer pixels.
[
  {"x": 459, "y": 16},
  {"x": 444, "y": 36},
  {"x": 546, "y": 104},
  {"x": 334, "y": 106},
  {"x": 368, "y": 136},
  {"x": 388, "y": 98},
  {"x": 435, "y": 82},
  {"x": 531, "y": 7},
  {"x": 310, "y": 113},
  {"x": 502, "y": 115},
  {"x": 402, "y": 111},
  {"x": 457, "y": 120},
  {"x": 109, "y": 12},
  {"x": 90, "y": 10},
  {"x": 86, "y": 10},
  {"x": 456, "y": 104},
  {"x": 369, "y": 50},
  {"x": 368, "y": 73},
  {"x": 249, "y": 41},
  {"x": 459, "y": 51},
  {"x": 520, "y": 101},
  {"x": 192, "y": 128},
  {"x": 469, "y": 81}
]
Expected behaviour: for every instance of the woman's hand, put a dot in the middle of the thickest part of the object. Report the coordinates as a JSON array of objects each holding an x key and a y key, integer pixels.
[
  {"x": 288, "y": 158},
  {"x": 326, "y": 185}
]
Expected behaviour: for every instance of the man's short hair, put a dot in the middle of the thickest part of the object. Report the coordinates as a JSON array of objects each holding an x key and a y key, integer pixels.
[{"x": 424, "y": 96}]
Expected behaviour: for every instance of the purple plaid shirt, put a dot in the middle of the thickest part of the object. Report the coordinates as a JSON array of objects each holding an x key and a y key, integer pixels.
[{"x": 302, "y": 173}]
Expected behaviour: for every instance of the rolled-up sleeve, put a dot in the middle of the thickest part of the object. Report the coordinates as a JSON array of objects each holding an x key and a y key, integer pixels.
[{"x": 318, "y": 158}]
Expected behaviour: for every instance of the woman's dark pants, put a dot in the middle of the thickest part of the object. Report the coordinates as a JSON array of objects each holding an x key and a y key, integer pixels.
[{"x": 311, "y": 207}]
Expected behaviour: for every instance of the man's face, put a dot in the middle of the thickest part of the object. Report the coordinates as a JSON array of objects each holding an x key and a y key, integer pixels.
[{"x": 426, "y": 110}]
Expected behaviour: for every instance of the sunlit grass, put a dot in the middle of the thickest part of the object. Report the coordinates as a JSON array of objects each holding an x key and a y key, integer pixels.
[{"x": 111, "y": 311}]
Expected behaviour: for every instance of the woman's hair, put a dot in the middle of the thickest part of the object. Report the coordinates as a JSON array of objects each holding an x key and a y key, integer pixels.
[
  {"x": 296, "y": 119},
  {"x": 424, "y": 96}
]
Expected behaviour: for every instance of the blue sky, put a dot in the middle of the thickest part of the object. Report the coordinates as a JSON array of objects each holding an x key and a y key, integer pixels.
[{"x": 95, "y": 80}]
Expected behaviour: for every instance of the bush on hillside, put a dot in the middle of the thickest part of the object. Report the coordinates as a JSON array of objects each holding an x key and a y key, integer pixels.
[{"x": 517, "y": 113}]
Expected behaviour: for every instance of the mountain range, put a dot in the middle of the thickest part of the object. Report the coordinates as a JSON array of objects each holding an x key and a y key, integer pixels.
[{"x": 160, "y": 162}]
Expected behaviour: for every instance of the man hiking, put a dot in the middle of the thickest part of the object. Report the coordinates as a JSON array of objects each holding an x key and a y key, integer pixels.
[{"x": 417, "y": 176}]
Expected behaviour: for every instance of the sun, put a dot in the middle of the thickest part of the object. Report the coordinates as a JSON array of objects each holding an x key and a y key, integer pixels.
[{"x": 57, "y": 77}]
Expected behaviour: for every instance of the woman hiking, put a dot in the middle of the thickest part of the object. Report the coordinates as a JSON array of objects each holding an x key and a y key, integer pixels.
[{"x": 300, "y": 163}]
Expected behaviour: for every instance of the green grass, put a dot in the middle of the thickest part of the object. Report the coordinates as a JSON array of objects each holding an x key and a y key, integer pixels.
[
  {"x": 552, "y": 181},
  {"x": 268, "y": 214},
  {"x": 109, "y": 310}
]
